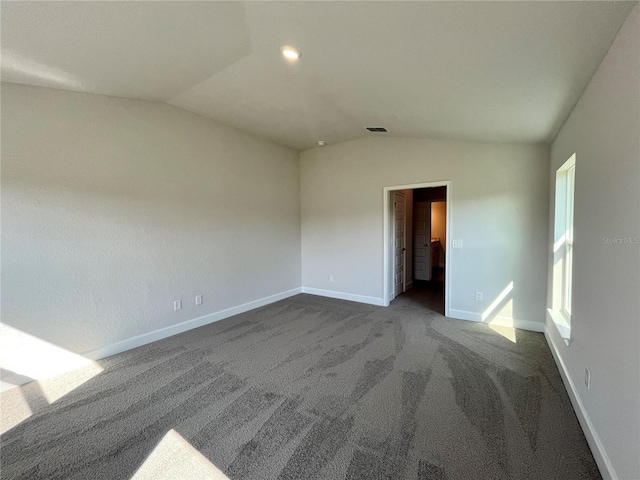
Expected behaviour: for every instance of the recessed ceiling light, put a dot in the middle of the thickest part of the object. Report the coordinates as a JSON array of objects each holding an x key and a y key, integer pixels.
[
  {"x": 321, "y": 143},
  {"x": 290, "y": 53}
]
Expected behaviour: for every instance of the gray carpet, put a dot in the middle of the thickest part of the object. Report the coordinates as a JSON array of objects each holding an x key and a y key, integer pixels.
[{"x": 316, "y": 388}]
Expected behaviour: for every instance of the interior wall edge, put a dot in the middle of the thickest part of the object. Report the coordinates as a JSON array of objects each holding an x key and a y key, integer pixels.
[
  {"x": 593, "y": 439},
  {"x": 499, "y": 321},
  {"x": 130, "y": 343},
  {"x": 345, "y": 296},
  {"x": 162, "y": 333}
]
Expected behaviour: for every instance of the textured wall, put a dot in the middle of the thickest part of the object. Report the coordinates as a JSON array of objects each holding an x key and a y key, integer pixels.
[
  {"x": 605, "y": 328},
  {"x": 499, "y": 208},
  {"x": 114, "y": 208}
]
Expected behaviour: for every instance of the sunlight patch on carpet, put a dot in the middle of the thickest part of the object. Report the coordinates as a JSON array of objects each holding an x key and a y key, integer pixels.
[
  {"x": 173, "y": 458},
  {"x": 15, "y": 409}
]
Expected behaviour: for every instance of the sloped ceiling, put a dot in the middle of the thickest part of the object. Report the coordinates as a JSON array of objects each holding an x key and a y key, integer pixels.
[{"x": 488, "y": 71}]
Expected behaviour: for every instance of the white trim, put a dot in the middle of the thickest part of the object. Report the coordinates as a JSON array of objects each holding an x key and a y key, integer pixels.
[
  {"x": 133, "y": 342},
  {"x": 13, "y": 380},
  {"x": 593, "y": 439},
  {"x": 387, "y": 287},
  {"x": 408, "y": 286},
  {"x": 498, "y": 320},
  {"x": 344, "y": 296},
  {"x": 561, "y": 324}
]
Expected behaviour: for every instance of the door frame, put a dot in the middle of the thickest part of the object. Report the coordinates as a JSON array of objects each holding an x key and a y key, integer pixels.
[{"x": 387, "y": 217}]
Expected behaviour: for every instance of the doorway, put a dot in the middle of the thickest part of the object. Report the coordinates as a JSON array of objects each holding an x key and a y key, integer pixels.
[{"x": 416, "y": 243}]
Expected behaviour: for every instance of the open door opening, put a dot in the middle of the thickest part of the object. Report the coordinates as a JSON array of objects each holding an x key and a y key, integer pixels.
[
  {"x": 416, "y": 245},
  {"x": 429, "y": 247}
]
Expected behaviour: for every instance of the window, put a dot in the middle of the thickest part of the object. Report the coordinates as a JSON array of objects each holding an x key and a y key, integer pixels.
[
  {"x": 570, "y": 177},
  {"x": 563, "y": 247}
]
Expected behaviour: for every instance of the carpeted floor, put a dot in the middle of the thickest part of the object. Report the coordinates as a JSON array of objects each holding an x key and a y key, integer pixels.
[{"x": 314, "y": 388}]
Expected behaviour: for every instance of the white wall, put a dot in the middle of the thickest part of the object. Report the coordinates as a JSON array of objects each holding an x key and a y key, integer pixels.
[
  {"x": 604, "y": 131},
  {"x": 113, "y": 208},
  {"x": 499, "y": 208}
]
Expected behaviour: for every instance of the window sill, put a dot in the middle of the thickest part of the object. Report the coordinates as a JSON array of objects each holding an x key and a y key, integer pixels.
[{"x": 563, "y": 327}]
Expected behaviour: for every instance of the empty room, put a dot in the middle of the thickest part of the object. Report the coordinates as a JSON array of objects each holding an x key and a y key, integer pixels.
[{"x": 320, "y": 240}]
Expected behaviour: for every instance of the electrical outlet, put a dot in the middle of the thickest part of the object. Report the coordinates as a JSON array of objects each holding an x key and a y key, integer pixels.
[
  {"x": 177, "y": 305},
  {"x": 457, "y": 244},
  {"x": 198, "y": 299},
  {"x": 479, "y": 296},
  {"x": 587, "y": 378},
  {"x": 331, "y": 278}
]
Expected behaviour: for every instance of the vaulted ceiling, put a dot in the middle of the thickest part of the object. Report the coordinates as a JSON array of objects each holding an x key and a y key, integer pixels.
[{"x": 488, "y": 71}]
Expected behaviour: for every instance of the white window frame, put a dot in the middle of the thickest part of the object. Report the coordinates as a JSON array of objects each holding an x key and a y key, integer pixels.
[
  {"x": 561, "y": 310},
  {"x": 569, "y": 177}
]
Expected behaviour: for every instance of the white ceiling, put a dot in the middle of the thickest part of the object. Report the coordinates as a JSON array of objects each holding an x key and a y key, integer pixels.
[{"x": 489, "y": 71}]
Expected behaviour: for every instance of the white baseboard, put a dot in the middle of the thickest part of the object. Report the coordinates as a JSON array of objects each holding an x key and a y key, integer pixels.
[
  {"x": 138, "y": 341},
  {"x": 593, "y": 439},
  {"x": 344, "y": 296},
  {"x": 498, "y": 321}
]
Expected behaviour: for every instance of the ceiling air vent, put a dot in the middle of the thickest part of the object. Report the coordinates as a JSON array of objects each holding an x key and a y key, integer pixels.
[{"x": 376, "y": 129}]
